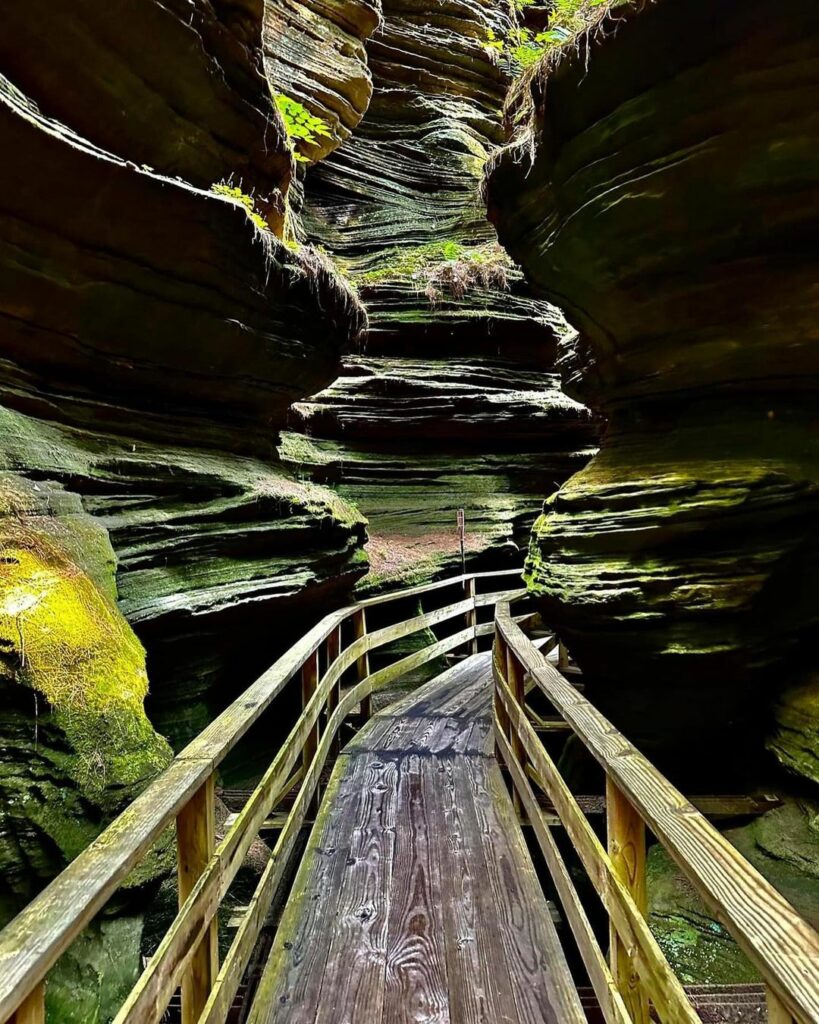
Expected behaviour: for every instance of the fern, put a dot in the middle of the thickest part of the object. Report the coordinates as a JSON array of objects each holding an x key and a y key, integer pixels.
[{"x": 301, "y": 125}]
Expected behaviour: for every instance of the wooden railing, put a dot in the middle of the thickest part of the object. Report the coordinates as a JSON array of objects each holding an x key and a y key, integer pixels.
[
  {"x": 780, "y": 944},
  {"x": 183, "y": 796}
]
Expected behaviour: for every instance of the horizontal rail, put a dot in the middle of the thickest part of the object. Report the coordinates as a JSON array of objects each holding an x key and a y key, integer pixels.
[
  {"x": 782, "y": 945},
  {"x": 37, "y": 937}
]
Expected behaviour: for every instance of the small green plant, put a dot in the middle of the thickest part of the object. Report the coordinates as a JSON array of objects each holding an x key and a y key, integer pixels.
[
  {"x": 229, "y": 191},
  {"x": 523, "y": 47},
  {"x": 301, "y": 125}
]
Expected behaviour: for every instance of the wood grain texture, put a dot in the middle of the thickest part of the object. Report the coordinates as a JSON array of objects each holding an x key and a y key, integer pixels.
[
  {"x": 626, "y": 834},
  {"x": 434, "y": 901},
  {"x": 195, "y": 840}
]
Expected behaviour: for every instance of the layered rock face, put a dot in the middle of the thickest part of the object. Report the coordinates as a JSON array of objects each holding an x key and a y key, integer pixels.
[
  {"x": 152, "y": 337},
  {"x": 671, "y": 208},
  {"x": 452, "y": 403},
  {"x": 177, "y": 86},
  {"x": 315, "y": 56}
]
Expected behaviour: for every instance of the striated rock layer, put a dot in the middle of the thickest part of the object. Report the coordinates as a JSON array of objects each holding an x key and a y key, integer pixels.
[
  {"x": 452, "y": 404},
  {"x": 671, "y": 208},
  {"x": 177, "y": 86},
  {"x": 315, "y": 55},
  {"x": 152, "y": 337}
]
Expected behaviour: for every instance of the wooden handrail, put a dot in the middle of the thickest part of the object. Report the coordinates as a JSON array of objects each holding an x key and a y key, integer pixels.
[
  {"x": 783, "y": 947},
  {"x": 182, "y": 794}
]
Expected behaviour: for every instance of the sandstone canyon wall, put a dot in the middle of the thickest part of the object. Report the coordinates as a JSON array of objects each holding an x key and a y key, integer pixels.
[
  {"x": 153, "y": 333},
  {"x": 665, "y": 195},
  {"x": 453, "y": 401}
]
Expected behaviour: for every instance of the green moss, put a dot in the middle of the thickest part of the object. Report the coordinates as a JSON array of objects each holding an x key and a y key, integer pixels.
[
  {"x": 229, "y": 191},
  {"x": 90, "y": 745},
  {"x": 445, "y": 265}
]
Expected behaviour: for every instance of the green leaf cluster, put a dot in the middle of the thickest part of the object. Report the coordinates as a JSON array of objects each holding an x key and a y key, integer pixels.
[{"x": 301, "y": 125}]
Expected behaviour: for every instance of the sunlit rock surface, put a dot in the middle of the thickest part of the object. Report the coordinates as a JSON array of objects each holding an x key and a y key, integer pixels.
[
  {"x": 315, "y": 55},
  {"x": 452, "y": 403},
  {"x": 671, "y": 209}
]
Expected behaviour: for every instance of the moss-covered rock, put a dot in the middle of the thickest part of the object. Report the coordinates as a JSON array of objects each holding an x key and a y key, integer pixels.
[
  {"x": 453, "y": 405},
  {"x": 783, "y": 845},
  {"x": 77, "y": 744},
  {"x": 795, "y": 737}
]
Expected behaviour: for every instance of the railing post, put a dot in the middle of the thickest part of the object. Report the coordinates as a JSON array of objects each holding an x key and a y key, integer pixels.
[
  {"x": 514, "y": 677},
  {"x": 334, "y": 696},
  {"x": 363, "y": 662},
  {"x": 778, "y": 1013},
  {"x": 471, "y": 616},
  {"x": 501, "y": 719},
  {"x": 627, "y": 850},
  {"x": 562, "y": 656},
  {"x": 309, "y": 682},
  {"x": 32, "y": 1008},
  {"x": 195, "y": 839}
]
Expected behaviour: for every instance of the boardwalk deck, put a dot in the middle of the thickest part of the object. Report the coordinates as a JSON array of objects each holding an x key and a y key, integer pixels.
[{"x": 417, "y": 900}]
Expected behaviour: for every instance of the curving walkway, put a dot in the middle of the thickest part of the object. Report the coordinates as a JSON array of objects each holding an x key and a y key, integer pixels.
[{"x": 416, "y": 900}]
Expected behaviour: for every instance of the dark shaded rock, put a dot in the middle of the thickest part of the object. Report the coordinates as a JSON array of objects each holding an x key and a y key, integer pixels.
[
  {"x": 671, "y": 208},
  {"x": 104, "y": 296},
  {"x": 178, "y": 86}
]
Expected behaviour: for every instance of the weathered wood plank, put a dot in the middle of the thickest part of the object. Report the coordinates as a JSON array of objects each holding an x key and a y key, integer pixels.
[
  {"x": 663, "y": 985},
  {"x": 416, "y": 985},
  {"x": 291, "y": 982},
  {"x": 480, "y": 988},
  {"x": 780, "y": 943},
  {"x": 541, "y": 982},
  {"x": 353, "y": 983},
  {"x": 195, "y": 840},
  {"x": 608, "y": 997}
]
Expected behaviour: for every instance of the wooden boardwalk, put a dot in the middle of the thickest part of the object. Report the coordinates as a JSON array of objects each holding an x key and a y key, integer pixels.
[{"x": 416, "y": 900}]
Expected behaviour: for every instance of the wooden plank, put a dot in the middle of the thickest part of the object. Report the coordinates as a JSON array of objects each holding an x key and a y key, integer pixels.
[
  {"x": 309, "y": 684},
  {"x": 334, "y": 696},
  {"x": 777, "y": 1012},
  {"x": 664, "y": 987},
  {"x": 195, "y": 838},
  {"x": 480, "y": 988},
  {"x": 353, "y": 982},
  {"x": 608, "y": 997},
  {"x": 416, "y": 984},
  {"x": 32, "y": 1009},
  {"x": 363, "y": 663},
  {"x": 514, "y": 680},
  {"x": 626, "y": 834},
  {"x": 288, "y": 991},
  {"x": 781, "y": 944},
  {"x": 543, "y": 990}
]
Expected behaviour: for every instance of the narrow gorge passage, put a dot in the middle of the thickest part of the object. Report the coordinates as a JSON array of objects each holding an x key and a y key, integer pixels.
[{"x": 340, "y": 339}]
